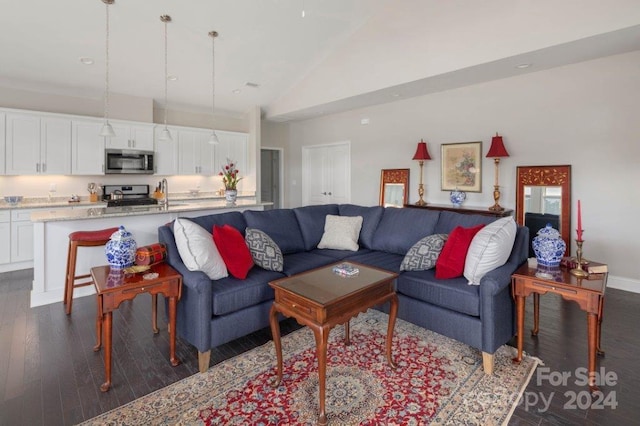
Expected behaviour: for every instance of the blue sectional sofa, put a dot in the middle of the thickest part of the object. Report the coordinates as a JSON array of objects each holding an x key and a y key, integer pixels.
[{"x": 212, "y": 313}]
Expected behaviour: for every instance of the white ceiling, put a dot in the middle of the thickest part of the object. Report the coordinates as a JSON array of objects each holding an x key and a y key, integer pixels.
[{"x": 268, "y": 42}]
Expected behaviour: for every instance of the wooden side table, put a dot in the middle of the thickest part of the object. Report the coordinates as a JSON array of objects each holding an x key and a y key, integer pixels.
[
  {"x": 464, "y": 209},
  {"x": 588, "y": 293},
  {"x": 114, "y": 286}
]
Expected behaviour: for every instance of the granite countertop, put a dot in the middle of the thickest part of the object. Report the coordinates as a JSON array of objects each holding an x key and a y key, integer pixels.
[
  {"x": 45, "y": 202},
  {"x": 173, "y": 207}
]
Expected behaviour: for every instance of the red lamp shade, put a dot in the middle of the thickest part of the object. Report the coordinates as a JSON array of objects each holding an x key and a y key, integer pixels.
[
  {"x": 497, "y": 148},
  {"x": 421, "y": 151}
]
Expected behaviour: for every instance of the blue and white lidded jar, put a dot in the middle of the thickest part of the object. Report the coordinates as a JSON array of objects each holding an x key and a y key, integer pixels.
[
  {"x": 457, "y": 197},
  {"x": 548, "y": 246},
  {"x": 121, "y": 249}
]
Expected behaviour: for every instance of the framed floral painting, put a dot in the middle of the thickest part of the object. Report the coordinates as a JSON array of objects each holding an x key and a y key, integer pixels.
[{"x": 461, "y": 166}]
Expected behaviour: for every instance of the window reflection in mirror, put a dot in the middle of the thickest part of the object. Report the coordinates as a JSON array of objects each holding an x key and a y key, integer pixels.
[{"x": 394, "y": 187}]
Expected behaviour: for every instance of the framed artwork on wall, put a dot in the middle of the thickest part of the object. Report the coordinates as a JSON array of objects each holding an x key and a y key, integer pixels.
[{"x": 461, "y": 166}]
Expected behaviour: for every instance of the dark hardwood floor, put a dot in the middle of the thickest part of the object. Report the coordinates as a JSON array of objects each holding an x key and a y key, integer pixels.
[{"x": 49, "y": 374}]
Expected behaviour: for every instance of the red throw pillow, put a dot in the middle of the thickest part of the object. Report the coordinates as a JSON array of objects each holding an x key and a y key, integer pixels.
[
  {"x": 233, "y": 249},
  {"x": 450, "y": 263}
]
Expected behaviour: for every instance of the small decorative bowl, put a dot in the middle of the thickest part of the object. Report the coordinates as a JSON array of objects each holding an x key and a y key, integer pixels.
[{"x": 13, "y": 199}]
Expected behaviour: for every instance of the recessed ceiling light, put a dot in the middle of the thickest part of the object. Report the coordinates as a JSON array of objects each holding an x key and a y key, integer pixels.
[
  {"x": 522, "y": 66},
  {"x": 250, "y": 84},
  {"x": 396, "y": 95},
  {"x": 87, "y": 60},
  {"x": 172, "y": 77},
  {"x": 236, "y": 91}
]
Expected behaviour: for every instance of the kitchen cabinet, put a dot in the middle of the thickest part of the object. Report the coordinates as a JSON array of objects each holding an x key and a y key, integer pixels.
[
  {"x": 5, "y": 230},
  {"x": 166, "y": 153},
  {"x": 37, "y": 144},
  {"x": 233, "y": 145},
  {"x": 131, "y": 136},
  {"x": 87, "y": 147},
  {"x": 21, "y": 236},
  {"x": 195, "y": 155},
  {"x": 2, "y": 142}
]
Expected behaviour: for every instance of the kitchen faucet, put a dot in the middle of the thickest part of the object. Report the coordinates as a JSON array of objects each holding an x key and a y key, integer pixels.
[{"x": 164, "y": 188}]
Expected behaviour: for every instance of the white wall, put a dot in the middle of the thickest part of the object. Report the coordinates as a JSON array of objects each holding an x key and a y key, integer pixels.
[{"x": 585, "y": 115}]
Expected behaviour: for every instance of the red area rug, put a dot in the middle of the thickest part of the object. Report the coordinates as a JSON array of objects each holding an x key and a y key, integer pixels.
[{"x": 438, "y": 381}]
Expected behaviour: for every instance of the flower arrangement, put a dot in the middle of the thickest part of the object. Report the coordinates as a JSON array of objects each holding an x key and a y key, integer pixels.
[{"x": 229, "y": 175}]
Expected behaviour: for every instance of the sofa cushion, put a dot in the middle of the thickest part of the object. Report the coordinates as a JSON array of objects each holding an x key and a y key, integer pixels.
[
  {"x": 265, "y": 253},
  {"x": 311, "y": 221},
  {"x": 379, "y": 259},
  {"x": 450, "y": 263},
  {"x": 281, "y": 225},
  {"x": 339, "y": 254},
  {"x": 449, "y": 220},
  {"x": 296, "y": 263},
  {"x": 234, "y": 219},
  {"x": 197, "y": 249},
  {"x": 232, "y": 294},
  {"x": 424, "y": 254},
  {"x": 341, "y": 232},
  {"x": 370, "y": 219},
  {"x": 454, "y": 294},
  {"x": 489, "y": 249},
  {"x": 233, "y": 249},
  {"x": 399, "y": 229}
]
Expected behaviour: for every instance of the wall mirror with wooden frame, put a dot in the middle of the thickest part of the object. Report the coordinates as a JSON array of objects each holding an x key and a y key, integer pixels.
[
  {"x": 543, "y": 196},
  {"x": 394, "y": 187}
]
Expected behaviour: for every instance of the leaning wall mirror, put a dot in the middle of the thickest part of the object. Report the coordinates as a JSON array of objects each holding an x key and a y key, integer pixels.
[
  {"x": 544, "y": 196},
  {"x": 394, "y": 187}
]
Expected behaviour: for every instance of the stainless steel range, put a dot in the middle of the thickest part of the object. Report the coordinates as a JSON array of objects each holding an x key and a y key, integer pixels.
[{"x": 127, "y": 195}]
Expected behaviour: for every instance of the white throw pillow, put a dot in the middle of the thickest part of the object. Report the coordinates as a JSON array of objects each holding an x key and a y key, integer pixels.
[
  {"x": 341, "y": 232},
  {"x": 489, "y": 249},
  {"x": 197, "y": 249}
]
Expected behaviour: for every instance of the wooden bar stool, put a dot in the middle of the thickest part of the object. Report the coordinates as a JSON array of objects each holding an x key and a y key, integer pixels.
[{"x": 81, "y": 239}]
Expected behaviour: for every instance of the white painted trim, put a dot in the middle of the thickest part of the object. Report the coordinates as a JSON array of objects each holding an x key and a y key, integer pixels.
[
  {"x": 623, "y": 283},
  {"x": 280, "y": 172}
]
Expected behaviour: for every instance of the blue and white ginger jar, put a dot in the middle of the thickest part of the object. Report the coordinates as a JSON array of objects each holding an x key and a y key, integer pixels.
[
  {"x": 457, "y": 197},
  {"x": 121, "y": 249},
  {"x": 548, "y": 246}
]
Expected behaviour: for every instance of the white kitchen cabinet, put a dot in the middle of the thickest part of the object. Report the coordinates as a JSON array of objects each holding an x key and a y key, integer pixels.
[
  {"x": 5, "y": 241},
  {"x": 195, "y": 154},
  {"x": 21, "y": 236},
  {"x": 87, "y": 148},
  {"x": 233, "y": 145},
  {"x": 166, "y": 153},
  {"x": 131, "y": 136},
  {"x": 2, "y": 142},
  {"x": 37, "y": 144}
]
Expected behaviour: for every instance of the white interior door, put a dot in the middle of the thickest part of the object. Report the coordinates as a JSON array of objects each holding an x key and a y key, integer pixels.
[{"x": 326, "y": 177}]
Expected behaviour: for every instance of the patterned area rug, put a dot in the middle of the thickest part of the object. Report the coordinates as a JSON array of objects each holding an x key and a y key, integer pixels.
[{"x": 438, "y": 381}]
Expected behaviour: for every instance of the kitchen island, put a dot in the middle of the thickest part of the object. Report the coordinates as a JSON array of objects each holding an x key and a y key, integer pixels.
[{"x": 52, "y": 228}]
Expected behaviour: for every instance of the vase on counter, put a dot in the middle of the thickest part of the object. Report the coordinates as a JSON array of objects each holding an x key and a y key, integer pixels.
[
  {"x": 457, "y": 197},
  {"x": 548, "y": 246},
  {"x": 121, "y": 249},
  {"x": 230, "y": 195}
]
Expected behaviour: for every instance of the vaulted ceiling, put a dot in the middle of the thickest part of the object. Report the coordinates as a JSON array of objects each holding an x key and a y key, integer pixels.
[{"x": 342, "y": 54}]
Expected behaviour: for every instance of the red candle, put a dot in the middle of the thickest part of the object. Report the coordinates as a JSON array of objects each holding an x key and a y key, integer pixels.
[{"x": 579, "y": 222}]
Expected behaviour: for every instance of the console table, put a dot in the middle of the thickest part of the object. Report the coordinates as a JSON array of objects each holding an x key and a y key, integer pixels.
[{"x": 464, "y": 209}]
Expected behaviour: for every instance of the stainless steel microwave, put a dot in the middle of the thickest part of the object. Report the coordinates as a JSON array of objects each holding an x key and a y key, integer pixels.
[{"x": 127, "y": 161}]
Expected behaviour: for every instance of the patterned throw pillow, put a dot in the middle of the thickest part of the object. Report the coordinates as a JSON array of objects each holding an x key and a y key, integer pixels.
[
  {"x": 264, "y": 251},
  {"x": 424, "y": 254}
]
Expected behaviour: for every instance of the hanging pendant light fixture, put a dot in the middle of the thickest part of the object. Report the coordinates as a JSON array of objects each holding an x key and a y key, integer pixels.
[
  {"x": 165, "y": 135},
  {"x": 107, "y": 130},
  {"x": 213, "y": 140}
]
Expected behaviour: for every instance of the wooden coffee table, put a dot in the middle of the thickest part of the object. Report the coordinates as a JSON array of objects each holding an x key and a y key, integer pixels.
[
  {"x": 321, "y": 299},
  {"x": 116, "y": 286}
]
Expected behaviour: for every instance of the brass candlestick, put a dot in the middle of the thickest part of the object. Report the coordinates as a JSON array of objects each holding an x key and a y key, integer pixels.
[{"x": 578, "y": 271}]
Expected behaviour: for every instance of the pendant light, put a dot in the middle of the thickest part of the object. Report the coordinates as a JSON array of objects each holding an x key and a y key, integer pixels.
[
  {"x": 165, "y": 135},
  {"x": 213, "y": 140},
  {"x": 107, "y": 130}
]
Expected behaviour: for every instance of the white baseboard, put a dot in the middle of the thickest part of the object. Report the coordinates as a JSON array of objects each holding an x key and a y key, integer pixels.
[{"x": 622, "y": 283}]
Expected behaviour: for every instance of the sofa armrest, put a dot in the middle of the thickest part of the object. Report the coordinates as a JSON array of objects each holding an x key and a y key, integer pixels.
[{"x": 195, "y": 307}]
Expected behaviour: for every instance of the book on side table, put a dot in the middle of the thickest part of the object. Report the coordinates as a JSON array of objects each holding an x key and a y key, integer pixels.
[{"x": 570, "y": 262}]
